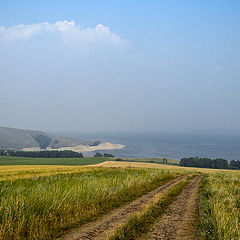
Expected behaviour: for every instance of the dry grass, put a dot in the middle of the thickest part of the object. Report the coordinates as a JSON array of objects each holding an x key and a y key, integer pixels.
[
  {"x": 138, "y": 165},
  {"x": 29, "y": 171},
  {"x": 161, "y": 166},
  {"x": 14, "y": 172}
]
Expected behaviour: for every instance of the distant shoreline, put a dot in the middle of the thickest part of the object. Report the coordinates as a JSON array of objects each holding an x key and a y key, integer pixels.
[{"x": 81, "y": 148}]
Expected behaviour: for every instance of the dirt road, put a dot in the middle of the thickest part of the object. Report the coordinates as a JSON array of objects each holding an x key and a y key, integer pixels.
[
  {"x": 179, "y": 222},
  {"x": 105, "y": 225}
]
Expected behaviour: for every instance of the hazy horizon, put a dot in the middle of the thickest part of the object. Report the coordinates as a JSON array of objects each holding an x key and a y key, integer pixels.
[
  {"x": 90, "y": 67},
  {"x": 195, "y": 132}
]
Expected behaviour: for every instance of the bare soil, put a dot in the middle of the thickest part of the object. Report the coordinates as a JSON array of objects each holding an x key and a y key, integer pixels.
[
  {"x": 106, "y": 225},
  {"x": 179, "y": 222}
]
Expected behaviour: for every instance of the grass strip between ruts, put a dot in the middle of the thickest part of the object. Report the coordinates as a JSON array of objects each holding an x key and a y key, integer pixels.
[{"x": 140, "y": 222}]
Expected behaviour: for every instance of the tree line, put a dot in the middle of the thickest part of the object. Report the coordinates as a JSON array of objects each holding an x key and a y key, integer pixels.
[
  {"x": 103, "y": 155},
  {"x": 42, "y": 154},
  {"x": 218, "y": 163}
]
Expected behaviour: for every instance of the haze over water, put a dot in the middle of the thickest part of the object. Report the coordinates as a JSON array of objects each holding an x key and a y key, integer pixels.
[
  {"x": 172, "y": 145},
  {"x": 120, "y": 66}
]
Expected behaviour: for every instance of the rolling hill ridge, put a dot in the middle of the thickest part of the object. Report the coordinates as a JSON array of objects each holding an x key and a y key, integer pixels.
[{"x": 13, "y": 138}]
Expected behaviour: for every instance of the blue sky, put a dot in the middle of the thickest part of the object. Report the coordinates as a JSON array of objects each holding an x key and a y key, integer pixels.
[
  {"x": 163, "y": 66},
  {"x": 139, "y": 21}
]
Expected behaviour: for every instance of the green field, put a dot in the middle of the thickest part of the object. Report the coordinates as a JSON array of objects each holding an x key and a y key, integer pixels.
[{"x": 8, "y": 160}]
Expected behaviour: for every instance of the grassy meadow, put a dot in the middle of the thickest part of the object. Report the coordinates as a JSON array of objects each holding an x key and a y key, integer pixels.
[{"x": 43, "y": 207}]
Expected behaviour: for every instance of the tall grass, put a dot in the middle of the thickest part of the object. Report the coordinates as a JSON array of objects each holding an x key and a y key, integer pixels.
[
  {"x": 42, "y": 208},
  {"x": 220, "y": 206}
]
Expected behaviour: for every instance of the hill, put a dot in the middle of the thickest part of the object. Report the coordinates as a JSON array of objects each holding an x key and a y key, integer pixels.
[{"x": 12, "y": 138}]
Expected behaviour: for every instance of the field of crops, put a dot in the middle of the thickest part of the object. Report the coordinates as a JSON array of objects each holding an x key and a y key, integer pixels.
[
  {"x": 220, "y": 205},
  {"x": 42, "y": 207},
  {"x": 8, "y": 160},
  {"x": 45, "y": 201}
]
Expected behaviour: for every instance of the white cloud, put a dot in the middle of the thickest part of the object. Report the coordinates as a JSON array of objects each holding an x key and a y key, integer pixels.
[
  {"x": 19, "y": 32},
  {"x": 68, "y": 30}
]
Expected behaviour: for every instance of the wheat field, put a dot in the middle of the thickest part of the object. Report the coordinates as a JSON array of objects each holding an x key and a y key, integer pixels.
[
  {"x": 42, "y": 207},
  {"x": 42, "y": 202}
]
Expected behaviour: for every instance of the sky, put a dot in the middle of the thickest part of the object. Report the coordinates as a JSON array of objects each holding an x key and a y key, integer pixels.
[{"x": 120, "y": 66}]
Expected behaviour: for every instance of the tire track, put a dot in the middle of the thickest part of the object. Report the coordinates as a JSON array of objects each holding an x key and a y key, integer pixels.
[
  {"x": 179, "y": 222},
  {"x": 105, "y": 225}
]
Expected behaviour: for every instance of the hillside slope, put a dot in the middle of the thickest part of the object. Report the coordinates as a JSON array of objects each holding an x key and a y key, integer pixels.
[{"x": 19, "y": 138}]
